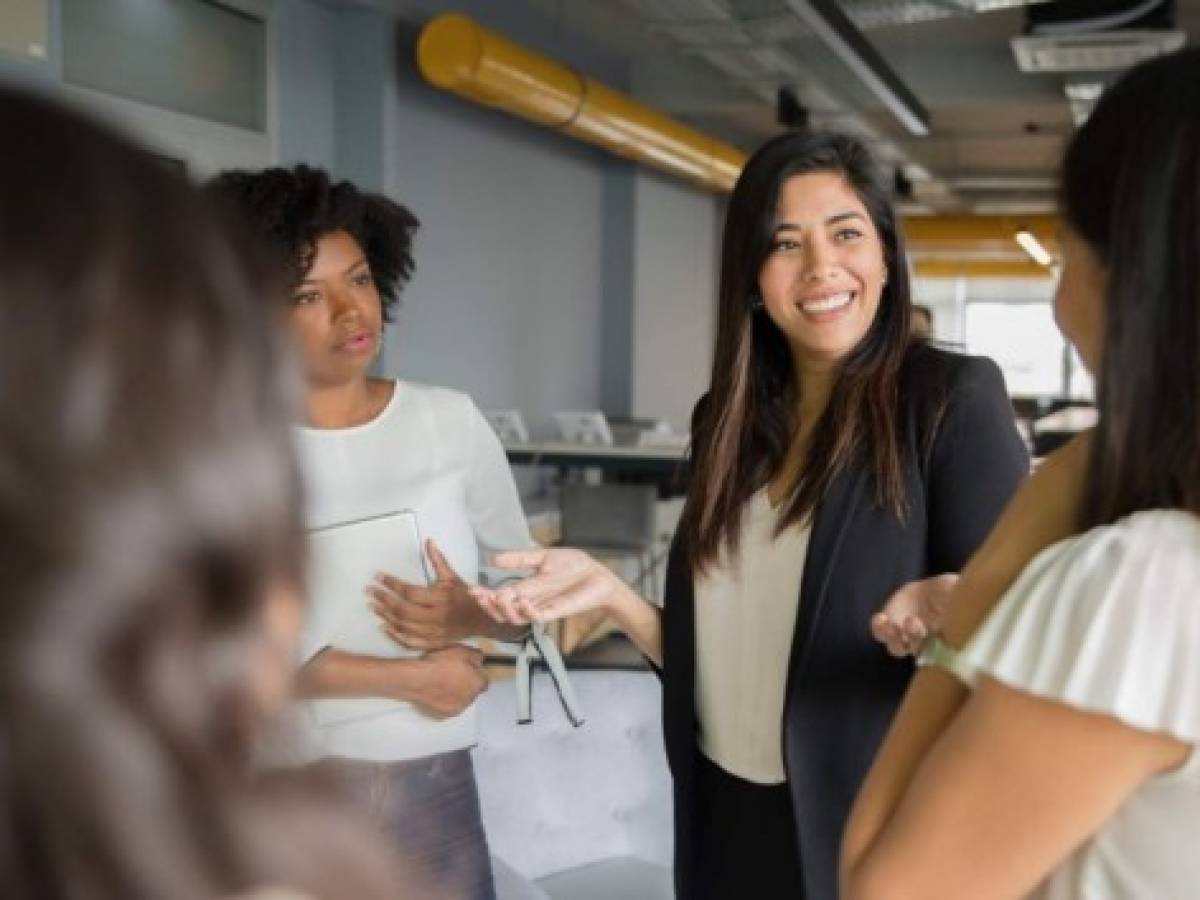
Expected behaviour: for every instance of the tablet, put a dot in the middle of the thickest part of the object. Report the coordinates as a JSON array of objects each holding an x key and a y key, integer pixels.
[{"x": 343, "y": 559}]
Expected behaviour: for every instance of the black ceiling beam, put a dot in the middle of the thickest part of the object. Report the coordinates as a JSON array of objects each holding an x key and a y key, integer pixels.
[{"x": 841, "y": 36}]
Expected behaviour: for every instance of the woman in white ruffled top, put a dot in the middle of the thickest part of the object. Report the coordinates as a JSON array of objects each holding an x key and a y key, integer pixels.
[{"x": 1054, "y": 755}]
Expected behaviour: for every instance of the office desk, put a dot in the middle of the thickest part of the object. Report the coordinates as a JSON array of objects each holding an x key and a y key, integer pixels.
[
  {"x": 1052, "y": 431},
  {"x": 666, "y": 465}
]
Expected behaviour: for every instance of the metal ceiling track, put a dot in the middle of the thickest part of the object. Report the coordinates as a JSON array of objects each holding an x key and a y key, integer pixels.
[
  {"x": 868, "y": 14},
  {"x": 834, "y": 28}
]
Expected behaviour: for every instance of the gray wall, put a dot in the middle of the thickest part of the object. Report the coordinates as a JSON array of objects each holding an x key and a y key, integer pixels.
[
  {"x": 550, "y": 275},
  {"x": 675, "y": 277},
  {"x": 306, "y": 48},
  {"x": 507, "y": 299},
  {"x": 22, "y": 68},
  {"x": 524, "y": 250}
]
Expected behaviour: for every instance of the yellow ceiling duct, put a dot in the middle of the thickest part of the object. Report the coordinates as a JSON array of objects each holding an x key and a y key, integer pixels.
[
  {"x": 458, "y": 55},
  {"x": 950, "y": 233},
  {"x": 979, "y": 246},
  {"x": 979, "y": 268}
]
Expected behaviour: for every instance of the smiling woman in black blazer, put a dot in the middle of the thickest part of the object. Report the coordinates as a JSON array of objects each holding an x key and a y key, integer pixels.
[{"x": 835, "y": 459}]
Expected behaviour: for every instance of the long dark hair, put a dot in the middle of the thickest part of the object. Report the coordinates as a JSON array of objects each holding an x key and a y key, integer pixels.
[
  {"x": 747, "y": 423},
  {"x": 1131, "y": 189},
  {"x": 148, "y": 500}
]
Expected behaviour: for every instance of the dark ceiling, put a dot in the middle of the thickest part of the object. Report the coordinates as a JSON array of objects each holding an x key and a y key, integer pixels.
[{"x": 996, "y": 133}]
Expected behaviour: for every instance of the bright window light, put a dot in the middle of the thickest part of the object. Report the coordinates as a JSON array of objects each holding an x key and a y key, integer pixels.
[{"x": 1024, "y": 341}]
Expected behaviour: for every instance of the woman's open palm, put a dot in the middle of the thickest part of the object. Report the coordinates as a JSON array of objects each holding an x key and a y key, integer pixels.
[{"x": 564, "y": 582}]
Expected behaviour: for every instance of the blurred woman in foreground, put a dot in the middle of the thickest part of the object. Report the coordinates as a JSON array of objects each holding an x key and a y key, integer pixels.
[{"x": 151, "y": 540}]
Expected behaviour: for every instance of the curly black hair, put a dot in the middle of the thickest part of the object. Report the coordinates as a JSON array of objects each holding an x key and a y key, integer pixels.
[{"x": 292, "y": 208}]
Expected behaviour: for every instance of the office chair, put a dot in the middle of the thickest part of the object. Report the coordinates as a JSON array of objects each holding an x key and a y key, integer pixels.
[{"x": 613, "y": 521}]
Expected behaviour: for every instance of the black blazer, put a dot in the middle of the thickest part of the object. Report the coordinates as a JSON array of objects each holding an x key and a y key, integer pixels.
[{"x": 963, "y": 460}]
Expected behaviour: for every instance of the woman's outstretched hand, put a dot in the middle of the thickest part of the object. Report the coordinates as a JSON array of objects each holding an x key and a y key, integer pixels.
[
  {"x": 564, "y": 582},
  {"x": 912, "y": 613}
]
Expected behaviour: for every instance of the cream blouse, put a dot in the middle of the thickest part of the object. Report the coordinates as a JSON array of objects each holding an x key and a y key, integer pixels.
[
  {"x": 745, "y": 621},
  {"x": 1109, "y": 622}
]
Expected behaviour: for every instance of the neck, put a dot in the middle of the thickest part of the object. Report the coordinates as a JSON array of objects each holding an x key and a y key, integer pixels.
[
  {"x": 814, "y": 383},
  {"x": 341, "y": 405}
]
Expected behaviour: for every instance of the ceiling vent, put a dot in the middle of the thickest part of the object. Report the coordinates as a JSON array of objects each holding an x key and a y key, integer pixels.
[
  {"x": 1099, "y": 52},
  {"x": 1095, "y": 35}
]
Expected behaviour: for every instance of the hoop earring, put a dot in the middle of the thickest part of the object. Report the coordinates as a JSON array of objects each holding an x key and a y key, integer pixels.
[{"x": 756, "y": 303}]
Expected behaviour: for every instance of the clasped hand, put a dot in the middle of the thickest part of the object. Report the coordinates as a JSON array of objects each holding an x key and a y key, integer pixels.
[
  {"x": 426, "y": 618},
  {"x": 453, "y": 678},
  {"x": 435, "y": 619}
]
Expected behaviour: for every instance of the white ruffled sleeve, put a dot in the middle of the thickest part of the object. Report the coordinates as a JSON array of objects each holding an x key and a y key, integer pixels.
[{"x": 1107, "y": 622}]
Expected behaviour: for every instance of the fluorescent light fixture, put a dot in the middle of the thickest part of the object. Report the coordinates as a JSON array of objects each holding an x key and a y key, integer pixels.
[
  {"x": 1082, "y": 96},
  {"x": 982, "y": 6},
  {"x": 1031, "y": 245},
  {"x": 840, "y": 35},
  {"x": 1103, "y": 51},
  {"x": 1084, "y": 91}
]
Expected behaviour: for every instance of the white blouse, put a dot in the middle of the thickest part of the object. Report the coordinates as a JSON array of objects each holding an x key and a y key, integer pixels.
[
  {"x": 432, "y": 451},
  {"x": 745, "y": 620},
  {"x": 1109, "y": 622}
]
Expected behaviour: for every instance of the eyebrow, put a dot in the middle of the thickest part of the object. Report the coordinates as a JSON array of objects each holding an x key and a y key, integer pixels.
[
  {"x": 350, "y": 268},
  {"x": 835, "y": 219}
]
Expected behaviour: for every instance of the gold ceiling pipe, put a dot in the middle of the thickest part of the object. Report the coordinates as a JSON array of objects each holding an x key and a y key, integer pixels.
[
  {"x": 459, "y": 55},
  {"x": 948, "y": 233},
  {"x": 980, "y": 268}
]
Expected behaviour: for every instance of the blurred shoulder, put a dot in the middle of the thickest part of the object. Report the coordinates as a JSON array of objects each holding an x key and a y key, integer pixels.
[
  {"x": 930, "y": 367},
  {"x": 935, "y": 382}
]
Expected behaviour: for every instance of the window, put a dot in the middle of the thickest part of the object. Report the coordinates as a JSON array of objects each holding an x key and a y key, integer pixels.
[
  {"x": 195, "y": 57},
  {"x": 24, "y": 29},
  {"x": 1080, "y": 385},
  {"x": 1024, "y": 341}
]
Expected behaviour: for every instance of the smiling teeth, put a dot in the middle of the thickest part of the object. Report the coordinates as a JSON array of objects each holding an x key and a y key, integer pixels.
[{"x": 828, "y": 304}]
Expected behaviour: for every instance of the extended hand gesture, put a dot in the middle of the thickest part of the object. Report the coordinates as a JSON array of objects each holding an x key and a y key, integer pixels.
[
  {"x": 912, "y": 613},
  {"x": 564, "y": 582}
]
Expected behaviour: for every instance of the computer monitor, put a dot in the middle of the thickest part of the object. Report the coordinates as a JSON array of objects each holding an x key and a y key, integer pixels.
[
  {"x": 584, "y": 427},
  {"x": 509, "y": 425}
]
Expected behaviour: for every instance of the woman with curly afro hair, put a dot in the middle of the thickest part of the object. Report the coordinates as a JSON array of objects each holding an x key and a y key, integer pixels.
[{"x": 396, "y": 727}]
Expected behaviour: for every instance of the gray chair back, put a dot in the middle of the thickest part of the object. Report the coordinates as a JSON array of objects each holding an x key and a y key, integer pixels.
[{"x": 608, "y": 516}]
